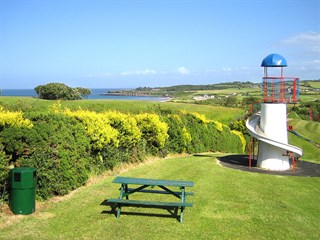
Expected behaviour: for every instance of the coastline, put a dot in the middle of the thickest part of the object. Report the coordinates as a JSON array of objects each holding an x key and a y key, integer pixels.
[{"x": 97, "y": 94}]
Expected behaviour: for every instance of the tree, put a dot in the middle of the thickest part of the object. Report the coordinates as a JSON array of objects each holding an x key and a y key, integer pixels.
[
  {"x": 84, "y": 92},
  {"x": 56, "y": 91},
  {"x": 231, "y": 101}
]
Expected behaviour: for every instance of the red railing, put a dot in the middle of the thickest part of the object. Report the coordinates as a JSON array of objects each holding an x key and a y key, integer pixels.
[
  {"x": 251, "y": 152},
  {"x": 280, "y": 89}
]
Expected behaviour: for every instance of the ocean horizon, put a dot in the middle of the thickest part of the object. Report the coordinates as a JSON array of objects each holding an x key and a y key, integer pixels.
[{"x": 97, "y": 93}]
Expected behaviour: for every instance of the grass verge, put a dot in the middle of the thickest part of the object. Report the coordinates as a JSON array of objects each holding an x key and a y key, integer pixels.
[{"x": 228, "y": 204}]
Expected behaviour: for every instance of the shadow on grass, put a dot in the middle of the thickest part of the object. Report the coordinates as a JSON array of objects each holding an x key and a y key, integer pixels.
[
  {"x": 241, "y": 162},
  {"x": 172, "y": 211}
]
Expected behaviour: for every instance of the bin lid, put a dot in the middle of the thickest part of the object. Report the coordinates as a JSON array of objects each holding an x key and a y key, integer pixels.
[
  {"x": 22, "y": 178},
  {"x": 23, "y": 170}
]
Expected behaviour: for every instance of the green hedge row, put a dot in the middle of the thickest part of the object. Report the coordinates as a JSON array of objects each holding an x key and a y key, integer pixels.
[{"x": 66, "y": 147}]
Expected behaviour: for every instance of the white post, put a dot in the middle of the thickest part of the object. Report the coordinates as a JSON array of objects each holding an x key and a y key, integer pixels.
[{"x": 273, "y": 123}]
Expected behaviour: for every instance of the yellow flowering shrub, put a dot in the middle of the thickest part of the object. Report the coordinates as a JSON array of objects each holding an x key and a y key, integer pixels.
[
  {"x": 154, "y": 131},
  {"x": 242, "y": 139},
  {"x": 16, "y": 119},
  {"x": 186, "y": 136},
  {"x": 129, "y": 133},
  {"x": 98, "y": 127},
  {"x": 219, "y": 125},
  {"x": 55, "y": 107},
  {"x": 200, "y": 117}
]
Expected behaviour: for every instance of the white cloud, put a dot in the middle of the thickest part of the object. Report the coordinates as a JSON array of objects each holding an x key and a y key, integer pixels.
[
  {"x": 303, "y": 50},
  {"x": 309, "y": 41},
  {"x": 309, "y": 37},
  {"x": 139, "y": 72},
  {"x": 226, "y": 69},
  {"x": 183, "y": 70}
]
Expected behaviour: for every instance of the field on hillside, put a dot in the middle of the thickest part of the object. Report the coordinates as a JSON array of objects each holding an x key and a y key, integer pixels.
[
  {"x": 309, "y": 91},
  {"x": 228, "y": 204},
  {"x": 313, "y": 84},
  {"x": 27, "y": 104},
  {"x": 310, "y": 131}
]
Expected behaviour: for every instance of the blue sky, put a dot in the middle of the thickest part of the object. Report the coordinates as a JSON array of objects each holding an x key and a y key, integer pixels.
[{"x": 128, "y": 44}]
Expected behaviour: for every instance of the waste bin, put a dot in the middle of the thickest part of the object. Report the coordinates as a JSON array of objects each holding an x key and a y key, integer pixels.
[{"x": 22, "y": 190}]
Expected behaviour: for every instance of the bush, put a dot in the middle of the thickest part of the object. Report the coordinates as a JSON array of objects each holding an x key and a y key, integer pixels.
[
  {"x": 8, "y": 118},
  {"x": 154, "y": 132},
  {"x": 98, "y": 128},
  {"x": 55, "y": 91},
  {"x": 4, "y": 172},
  {"x": 66, "y": 146},
  {"x": 57, "y": 146},
  {"x": 126, "y": 125},
  {"x": 179, "y": 137}
]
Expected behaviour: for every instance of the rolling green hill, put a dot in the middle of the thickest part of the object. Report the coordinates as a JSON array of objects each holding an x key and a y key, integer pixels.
[{"x": 311, "y": 131}]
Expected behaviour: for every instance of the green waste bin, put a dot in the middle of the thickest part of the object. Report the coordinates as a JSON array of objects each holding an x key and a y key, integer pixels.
[{"x": 22, "y": 190}]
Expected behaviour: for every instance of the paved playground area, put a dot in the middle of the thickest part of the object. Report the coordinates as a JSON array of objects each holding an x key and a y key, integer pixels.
[{"x": 241, "y": 162}]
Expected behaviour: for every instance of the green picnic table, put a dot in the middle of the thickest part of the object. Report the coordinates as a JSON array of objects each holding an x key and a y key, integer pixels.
[{"x": 140, "y": 185}]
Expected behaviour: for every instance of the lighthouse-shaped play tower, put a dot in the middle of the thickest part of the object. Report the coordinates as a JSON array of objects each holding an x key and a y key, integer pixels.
[{"x": 269, "y": 126}]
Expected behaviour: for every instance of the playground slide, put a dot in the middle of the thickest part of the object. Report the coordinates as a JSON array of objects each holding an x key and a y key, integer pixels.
[{"x": 254, "y": 130}]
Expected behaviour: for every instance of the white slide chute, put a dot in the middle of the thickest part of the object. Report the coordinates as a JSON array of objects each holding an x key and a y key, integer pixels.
[{"x": 271, "y": 147}]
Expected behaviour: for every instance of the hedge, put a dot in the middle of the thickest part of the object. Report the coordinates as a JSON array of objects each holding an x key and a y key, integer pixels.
[{"x": 67, "y": 146}]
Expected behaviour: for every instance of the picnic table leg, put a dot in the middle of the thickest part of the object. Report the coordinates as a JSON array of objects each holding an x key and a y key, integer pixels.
[
  {"x": 119, "y": 210},
  {"x": 120, "y": 197},
  {"x": 181, "y": 215},
  {"x": 183, "y": 200},
  {"x": 126, "y": 191}
]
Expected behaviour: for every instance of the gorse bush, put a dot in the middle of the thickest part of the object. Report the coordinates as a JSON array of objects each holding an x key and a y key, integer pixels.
[{"x": 66, "y": 146}]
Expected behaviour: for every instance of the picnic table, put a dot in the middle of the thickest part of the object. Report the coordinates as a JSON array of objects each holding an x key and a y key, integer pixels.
[{"x": 140, "y": 185}]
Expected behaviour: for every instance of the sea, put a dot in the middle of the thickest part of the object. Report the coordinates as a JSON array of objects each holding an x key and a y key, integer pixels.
[{"x": 97, "y": 93}]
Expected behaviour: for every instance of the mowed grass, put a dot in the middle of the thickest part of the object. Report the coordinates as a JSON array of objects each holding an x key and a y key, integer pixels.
[
  {"x": 231, "y": 91},
  {"x": 28, "y": 104},
  {"x": 314, "y": 84},
  {"x": 228, "y": 204},
  {"x": 311, "y": 131}
]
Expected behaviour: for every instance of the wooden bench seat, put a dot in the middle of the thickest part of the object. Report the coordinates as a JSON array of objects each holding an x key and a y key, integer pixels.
[
  {"x": 148, "y": 203},
  {"x": 161, "y": 192}
]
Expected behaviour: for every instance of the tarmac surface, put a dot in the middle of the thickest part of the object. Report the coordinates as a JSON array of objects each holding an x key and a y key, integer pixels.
[{"x": 241, "y": 162}]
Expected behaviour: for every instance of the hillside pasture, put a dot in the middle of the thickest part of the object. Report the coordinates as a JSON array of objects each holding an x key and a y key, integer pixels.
[
  {"x": 308, "y": 130},
  {"x": 28, "y": 104}
]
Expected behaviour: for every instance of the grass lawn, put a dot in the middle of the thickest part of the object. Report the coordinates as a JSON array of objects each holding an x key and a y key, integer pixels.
[
  {"x": 27, "y": 104},
  {"x": 228, "y": 204},
  {"x": 309, "y": 130}
]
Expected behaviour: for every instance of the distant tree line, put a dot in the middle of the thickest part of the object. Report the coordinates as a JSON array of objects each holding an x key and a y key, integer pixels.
[
  {"x": 60, "y": 91},
  {"x": 236, "y": 84}
]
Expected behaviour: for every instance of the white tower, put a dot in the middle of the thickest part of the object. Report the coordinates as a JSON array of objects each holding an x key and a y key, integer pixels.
[{"x": 274, "y": 151}]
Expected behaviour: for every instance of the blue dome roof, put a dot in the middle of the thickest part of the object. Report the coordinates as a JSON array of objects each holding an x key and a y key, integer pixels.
[{"x": 274, "y": 60}]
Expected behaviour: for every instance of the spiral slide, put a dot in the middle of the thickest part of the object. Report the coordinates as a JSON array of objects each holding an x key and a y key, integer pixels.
[{"x": 254, "y": 130}]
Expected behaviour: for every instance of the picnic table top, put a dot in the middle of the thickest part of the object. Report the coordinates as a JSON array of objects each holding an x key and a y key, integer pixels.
[{"x": 152, "y": 182}]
